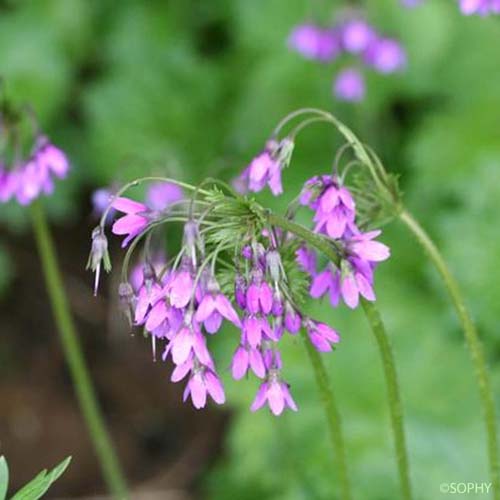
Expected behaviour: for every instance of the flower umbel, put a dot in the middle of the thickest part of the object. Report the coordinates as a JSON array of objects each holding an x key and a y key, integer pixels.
[
  {"x": 242, "y": 267},
  {"x": 29, "y": 162}
]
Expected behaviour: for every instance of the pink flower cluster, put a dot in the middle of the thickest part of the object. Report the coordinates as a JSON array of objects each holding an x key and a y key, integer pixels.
[
  {"x": 335, "y": 217},
  {"x": 27, "y": 179},
  {"x": 183, "y": 307},
  {"x": 355, "y": 37}
]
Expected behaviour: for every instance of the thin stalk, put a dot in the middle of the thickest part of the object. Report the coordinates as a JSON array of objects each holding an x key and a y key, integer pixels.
[
  {"x": 82, "y": 383},
  {"x": 395, "y": 403},
  {"x": 473, "y": 343},
  {"x": 332, "y": 416},
  {"x": 377, "y": 326}
]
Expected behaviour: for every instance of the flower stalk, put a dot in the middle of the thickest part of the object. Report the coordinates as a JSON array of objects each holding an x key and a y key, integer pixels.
[
  {"x": 82, "y": 383},
  {"x": 332, "y": 417},
  {"x": 378, "y": 329},
  {"x": 473, "y": 343},
  {"x": 393, "y": 393}
]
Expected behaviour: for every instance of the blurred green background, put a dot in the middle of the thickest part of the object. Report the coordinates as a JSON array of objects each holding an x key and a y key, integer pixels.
[{"x": 193, "y": 88}]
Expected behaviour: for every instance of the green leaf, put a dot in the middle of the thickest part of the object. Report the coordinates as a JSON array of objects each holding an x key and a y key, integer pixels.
[
  {"x": 41, "y": 483},
  {"x": 4, "y": 478}
]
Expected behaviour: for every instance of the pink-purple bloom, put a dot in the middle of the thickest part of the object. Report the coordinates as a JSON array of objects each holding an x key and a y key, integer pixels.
[
  {"x": 276, "y": 394},
  {"x": 479, "y": 7},
  {"x": 349, "y": 85},
  {"x": 133, "y": 222},
  {"x": 161, "y": 195},
  {"x": 321, "y": 335},
  {"x": 182, "y": 303},
  {"x": 314, "y": 42},
  {"x": 386, "y": 55},
  {"x": 27, "y": 179},
  {"x": 355, "y": 36}
]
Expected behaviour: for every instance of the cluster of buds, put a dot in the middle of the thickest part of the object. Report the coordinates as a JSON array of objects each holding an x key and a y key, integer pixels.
[
  {"x": 241, "y": 264},
  {"x": 28, "y": 161},
  {"x": 352, "y": 35}
]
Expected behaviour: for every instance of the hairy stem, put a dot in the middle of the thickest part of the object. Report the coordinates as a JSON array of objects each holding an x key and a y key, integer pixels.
[
  {"x": 473, "y": 343},
  {"x": 378, "y": 329},
  {"x": 73, "y": 353},
  {"x": 395, "y": 403},
  {"x": 332, "y": 416}
]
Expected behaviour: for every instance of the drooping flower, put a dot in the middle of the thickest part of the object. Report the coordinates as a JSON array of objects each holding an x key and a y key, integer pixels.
[
  {"x": 327, "y": 281},
  {"x": 349, "y": 85},
  {"x": 321, "y": 335},
  {"x": 314, "y": 42},
  {"x": 265, "y": 168},
  {"x": 386, "y": 55},
  {"x": 246, "y": 357},
  {"x": 160, "y": 195},
  {"x": 213, "y": 307},
  {"x": 276, "y": 393},
  {"x": 203, "y": 381},
  {"x": 101, "y": 199},
  {"x": 357, "y": 35},
  {"x": 333, "y": 204},
  {"x": 135, "y": 220}
]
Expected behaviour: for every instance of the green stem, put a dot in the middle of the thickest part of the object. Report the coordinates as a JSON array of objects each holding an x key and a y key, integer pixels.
[
  {"x": 395, "y": 404},
  {"x": 473, "y": 343},
  {"x": 378, "y": 329},
  {"x": 74, "y": 357},
  {"x": 322, "y": 381},
  {"x": 332, "y": 416}
]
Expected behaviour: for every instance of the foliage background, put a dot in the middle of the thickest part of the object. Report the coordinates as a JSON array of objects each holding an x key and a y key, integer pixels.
[{"x": 192, "y": 88}]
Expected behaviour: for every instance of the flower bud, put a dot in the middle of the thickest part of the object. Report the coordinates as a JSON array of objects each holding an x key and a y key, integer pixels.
[
  {"x": 98, "y": 253},
  {"x": 273, "y": 264},
  {"x": 127, "y": 300}
]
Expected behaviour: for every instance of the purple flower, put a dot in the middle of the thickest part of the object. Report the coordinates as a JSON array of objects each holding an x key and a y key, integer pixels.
[
  {"x": 32, "y": 180},
  {"x": 240, "y": 291},
  {"x": 276, "y": 393},
  {"x": 356, "y": 35},
  {"x": 386, "y": 55},
  {"x": 155, "y": 265},
  {"x": 334, "y": 205},
  {"x": 8, "y": 183},
  {"x": 349, "y": 85},
  {"x": 321, "y": 335},
  {"x": 327, "y": 281},
  {"x": 101, "y": 199},
  {"x": 263, "y": 170},
  {"x": 256, "y": 329},
  {"x": 293, "y": 320},
  {"x": 51, "y": 159},
  {"x": 314, "y": 42},
  {"x": 188, "y": 340},
  {"x": 133, "y": 223},
  {"x": 160, "y": 195},
  {"x": 363, "y": 247},
  {"x": 469, "y": 7},
  {"x": 306, "y": 258},
  {"x": 245, "y": 358},
  {"x": 203, "y": 381},
  {"x": 180, "y": 289},
  {"x": 259, "y": 296},
  {"x": 213, "y": 307}
]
